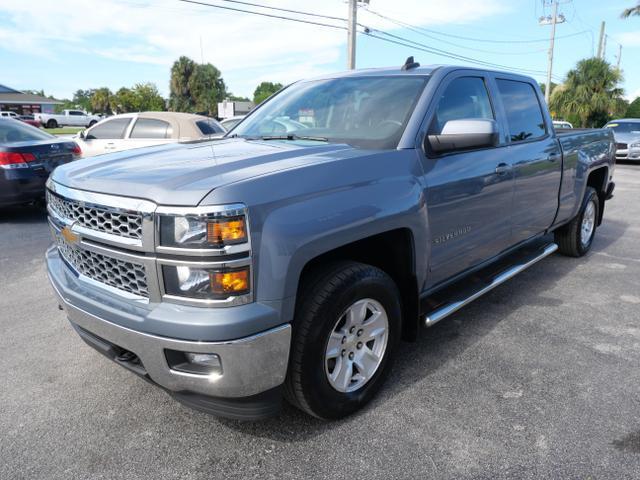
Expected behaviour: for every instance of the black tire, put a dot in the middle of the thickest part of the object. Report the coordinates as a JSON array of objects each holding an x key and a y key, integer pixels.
[
  {"x": 92, "y": 123},
  {"x": 52, "y": 124},
  {"x": 325, "y": 295},
  {"x": 569, "y": 237}
]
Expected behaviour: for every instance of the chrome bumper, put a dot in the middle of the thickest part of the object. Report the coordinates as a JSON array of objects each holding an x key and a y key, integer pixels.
[{"x": 250, "y": 365}]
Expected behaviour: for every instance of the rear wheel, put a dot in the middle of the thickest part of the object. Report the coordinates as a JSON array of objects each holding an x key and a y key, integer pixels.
[
  {"x": 346, "y": 328},
  {"x": 575, "y": 238},
  {"x": 92, "y": 123},
  {"x": 52, "y": 124}
]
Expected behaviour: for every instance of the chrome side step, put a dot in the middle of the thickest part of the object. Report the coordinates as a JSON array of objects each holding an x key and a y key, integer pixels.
[{"x": 451, "y": 306}]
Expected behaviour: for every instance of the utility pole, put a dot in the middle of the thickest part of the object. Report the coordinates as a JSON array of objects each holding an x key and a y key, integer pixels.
[
  {"x": 352, "y": 32},
  {"x": 551, "y": 20},
  {"x": 601, "y": 41},
  {"x": 619, "y": 56}
]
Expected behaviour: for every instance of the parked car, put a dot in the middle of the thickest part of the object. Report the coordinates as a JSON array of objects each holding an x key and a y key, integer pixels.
[
  {"x": 68, "y": 118},
  {"x": 27, "y": 157},
  {"x": 231, "y": 273},
  {"x": 626, "y": 132},
  {"x": 561, "y": 124},
  {"x": 28, "y": 119},
  {"x": 229, "y": 123},
  {"x": 136, "y": 130}
]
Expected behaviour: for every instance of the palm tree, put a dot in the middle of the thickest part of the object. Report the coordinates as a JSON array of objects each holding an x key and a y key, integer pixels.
[
  {"x": 590, "y": 93},
  {"x": 632, "y": 11}
]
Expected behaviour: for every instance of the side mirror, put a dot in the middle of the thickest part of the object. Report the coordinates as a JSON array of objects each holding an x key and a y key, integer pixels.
[
  {"x": 465, "y": 134},
  {"x": 81, "y": 134}
]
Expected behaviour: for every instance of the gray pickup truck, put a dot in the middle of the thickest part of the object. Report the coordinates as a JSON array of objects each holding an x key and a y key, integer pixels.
[{"x": 290, "y": 258}]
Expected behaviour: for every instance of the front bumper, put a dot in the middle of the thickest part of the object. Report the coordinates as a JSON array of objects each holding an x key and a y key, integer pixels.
[{"x": 251, "y": 365}]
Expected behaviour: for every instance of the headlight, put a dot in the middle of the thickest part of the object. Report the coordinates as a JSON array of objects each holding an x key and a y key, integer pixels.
[
  {"x": 206, "y": 230},
  {"x": 635, "y": 145},
  {"x": 206, "y": 283}
]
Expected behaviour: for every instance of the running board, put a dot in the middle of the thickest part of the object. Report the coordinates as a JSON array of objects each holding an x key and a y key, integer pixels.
[{"x": 481, "y": 285}]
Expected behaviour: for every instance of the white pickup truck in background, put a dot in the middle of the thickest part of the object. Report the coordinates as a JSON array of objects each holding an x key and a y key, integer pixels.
[{"x": 68, "y": 118}]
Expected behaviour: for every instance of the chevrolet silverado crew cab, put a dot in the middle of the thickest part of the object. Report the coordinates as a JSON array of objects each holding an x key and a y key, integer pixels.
[{"x": 289, "y": 258}]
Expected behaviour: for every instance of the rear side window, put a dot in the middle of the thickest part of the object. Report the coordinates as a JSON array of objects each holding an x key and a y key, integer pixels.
[
  {"x": 151, "y": 128},
  {"x": 209, "y": 127},
  {"x": 110, "y": 129},
  {"x": 524, "y": 114},
  {"x": 464, "y": 98},
  {"x": 75, "y": 112}
]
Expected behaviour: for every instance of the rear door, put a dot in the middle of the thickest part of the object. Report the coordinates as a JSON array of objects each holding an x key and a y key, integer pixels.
[
  {"x": 468, "y": 193},
  {"x": 536, "y": 158},
  {"x": 147, "y": 132}
]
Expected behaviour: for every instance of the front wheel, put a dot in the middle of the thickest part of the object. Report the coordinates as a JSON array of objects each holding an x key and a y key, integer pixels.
[
  {"x": 346, "y": 328},
  {"x": 575, "y": 238},
  {"x": 52, "y": 124}
]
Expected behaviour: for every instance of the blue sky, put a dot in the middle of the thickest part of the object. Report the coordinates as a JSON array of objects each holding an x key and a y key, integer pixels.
[{"x": 70, "y": 44}]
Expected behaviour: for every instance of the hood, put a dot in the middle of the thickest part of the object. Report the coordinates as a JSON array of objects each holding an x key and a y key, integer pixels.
[
  {"x": 183, "y": 174},
  {"x": 627, "y": 137}
]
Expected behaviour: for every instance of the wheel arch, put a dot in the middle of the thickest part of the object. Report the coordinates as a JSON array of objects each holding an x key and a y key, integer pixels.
[{"x": 394, "y": 253}]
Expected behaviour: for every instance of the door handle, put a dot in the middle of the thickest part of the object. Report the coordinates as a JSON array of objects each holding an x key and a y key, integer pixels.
[{"x": 502, "y": 168}]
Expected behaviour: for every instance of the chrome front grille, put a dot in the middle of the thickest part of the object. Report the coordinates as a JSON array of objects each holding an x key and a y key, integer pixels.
[
  {"x": 123, "y": 275},
  {"x": 100, "y": 219}
]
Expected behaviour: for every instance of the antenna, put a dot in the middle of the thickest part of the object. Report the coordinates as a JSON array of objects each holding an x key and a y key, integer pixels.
[{"x": 409, "y": 64}]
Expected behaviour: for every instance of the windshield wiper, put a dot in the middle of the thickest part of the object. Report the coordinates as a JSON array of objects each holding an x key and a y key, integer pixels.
[{"x": 292, "y": 136}]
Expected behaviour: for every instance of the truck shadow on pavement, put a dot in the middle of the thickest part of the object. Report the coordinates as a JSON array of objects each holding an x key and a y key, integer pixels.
[
  {"x": 444, "y": 342},
  {"x": 24, "y": 214}
]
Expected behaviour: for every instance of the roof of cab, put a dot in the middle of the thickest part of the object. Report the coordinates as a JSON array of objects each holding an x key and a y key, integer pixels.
[{"x": 426, "y": 70}]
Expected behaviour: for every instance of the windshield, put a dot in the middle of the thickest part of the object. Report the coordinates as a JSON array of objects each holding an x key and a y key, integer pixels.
[
  {"x": 624, "y": 127},
  {"x": 12, "y": 131},
  {"x": 366, "y": 112}
]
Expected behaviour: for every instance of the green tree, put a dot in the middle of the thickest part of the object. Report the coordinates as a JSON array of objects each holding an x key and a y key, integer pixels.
[
  {"x": 102, "y": 100},
  {"x": 82, "y": 99},
  {"x": 265, "y": 90},
  {"x": 543, "y": 87},
  {"x": 147, "y": 97},
  {"x": 631, "y": 11},
  {"x": 124, "y": 101},
  {"x": 194, "y": 87},
  {"x": 633, "y": 110},
  {"x": 237, "y": 98},
  {"x": 207, "y": 88},
  {"x": 590, "y": 93}
]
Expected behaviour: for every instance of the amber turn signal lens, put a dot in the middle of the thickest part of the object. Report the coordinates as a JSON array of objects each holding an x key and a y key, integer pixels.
[
  {"x": 228, "y": 231},
  {"x": 232, "y": 282}
]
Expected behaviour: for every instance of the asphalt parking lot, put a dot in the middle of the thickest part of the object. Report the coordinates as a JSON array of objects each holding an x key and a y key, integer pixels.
[{"x": 538, "y": 379}]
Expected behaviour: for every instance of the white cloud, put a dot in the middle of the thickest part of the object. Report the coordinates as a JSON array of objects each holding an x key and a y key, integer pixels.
[
  {"x": 629, "y": 39},
  {"x": 246, "y": 48}
]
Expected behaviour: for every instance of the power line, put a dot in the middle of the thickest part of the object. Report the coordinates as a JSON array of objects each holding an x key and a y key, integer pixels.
[
  {"x": 435, "y": 32},
  {"x": 397, "y": 40},
  {"x": 299, "y": 20},
  {"x": 422, "y": 32},
  {"x": 318, "y": 15}
]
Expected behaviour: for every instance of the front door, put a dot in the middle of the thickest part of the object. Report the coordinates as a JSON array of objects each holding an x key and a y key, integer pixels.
[
  {"x": 468, "y": 193},
  {"x": 105, "y": 136}
]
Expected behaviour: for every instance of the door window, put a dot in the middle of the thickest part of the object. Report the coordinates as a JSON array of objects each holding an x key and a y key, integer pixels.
[
  {"x": 464, "y": 98},
  {"x": 76, "y": 112},
  {"x": 151, "y": 128},
  {"x": 111, "y": 129},
  {"x": 524, "y": 114}
]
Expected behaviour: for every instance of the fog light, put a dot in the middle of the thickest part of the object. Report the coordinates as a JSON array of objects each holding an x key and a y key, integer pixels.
[{"x": 195, "y": 363}]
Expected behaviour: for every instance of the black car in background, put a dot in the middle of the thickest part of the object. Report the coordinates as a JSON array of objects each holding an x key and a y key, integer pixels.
[{"x": 27, "y": 157}]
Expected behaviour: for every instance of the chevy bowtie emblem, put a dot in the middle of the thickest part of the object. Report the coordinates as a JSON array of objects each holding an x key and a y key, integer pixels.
[{"x": 69, "y": 236}]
